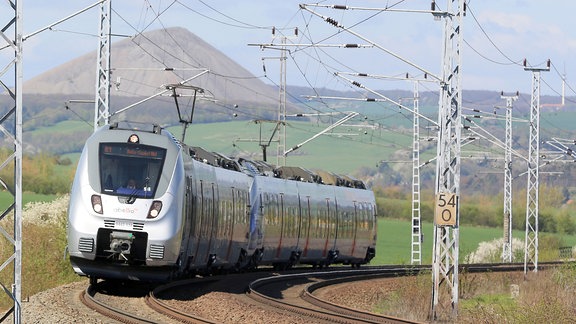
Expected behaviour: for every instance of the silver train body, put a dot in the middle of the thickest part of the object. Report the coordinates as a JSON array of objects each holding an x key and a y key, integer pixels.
[{"x": 192, "y": 210}]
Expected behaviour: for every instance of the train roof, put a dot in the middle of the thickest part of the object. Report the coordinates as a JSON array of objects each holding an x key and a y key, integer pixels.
[
  {"x": 262, "y": 168},
  {"x": 135, "y": 126}
]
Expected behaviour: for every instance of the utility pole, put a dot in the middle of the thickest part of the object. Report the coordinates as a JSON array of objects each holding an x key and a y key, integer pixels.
[
  {"x": 102, "y": 101},
  {"x": 531, "y": 235},
  {"x": 280, "y": 157},
  {"x": 507, "y": 246},
  {"x": 11, "y": 125},
  {"x": 281, "y": 120},
  {"x": 416, "y": 246},
  {"x": 563, "y": 102},
  {"x": 447, "y": 210}
]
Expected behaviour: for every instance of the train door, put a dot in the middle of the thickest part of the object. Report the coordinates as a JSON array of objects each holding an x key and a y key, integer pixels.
[
  {"x": 189, "y": 223},
  {"x": 283, "y": 224},
  {"x": 335, "y": 221},
  {"x": 355, "y": 219},
  {"x": 230, "y": 218},
  {"x": 329, "y": 219},
  {"x": 292, "y": 229},
  {"x": 271, "y": 226},
  {"x": 346, "y": 232},
  {"x": 206, "y": 223},
  {"x": 306, "y": 221},
  {"x": 288, "y": 250},
  {"x": 237, "y": 222},
  {"x": 213, "y": 222},
  {"x": 366, "y": 228},
  {"x": 255, "y": 205}
]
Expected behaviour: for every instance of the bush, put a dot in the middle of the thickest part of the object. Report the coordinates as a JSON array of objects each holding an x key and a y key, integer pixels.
[
  {"x": 44, "y": 264},
  {"x": 394, "y": 208},
  {"x": 39, "y": 174},
  {"x": 491, "y": 252}
]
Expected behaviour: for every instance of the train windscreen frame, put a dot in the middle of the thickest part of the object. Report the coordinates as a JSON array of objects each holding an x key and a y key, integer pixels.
[{"x": 130, "y": 169}]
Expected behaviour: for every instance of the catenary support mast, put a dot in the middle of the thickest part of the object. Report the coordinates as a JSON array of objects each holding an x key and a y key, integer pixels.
[
  {"x": 507, "y": 245},
  {"x": 11, "y": 131},
  {"x": 102, "y": 100},
  {"x": 446, "y": 219},
  {"x": 416, "y": 251},
  {"x": 281, "y": 148},
  {"x": 531, "y": 235}
]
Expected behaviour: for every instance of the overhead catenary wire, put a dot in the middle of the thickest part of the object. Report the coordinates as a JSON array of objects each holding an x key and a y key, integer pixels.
[{"x": 246, "y": 26}]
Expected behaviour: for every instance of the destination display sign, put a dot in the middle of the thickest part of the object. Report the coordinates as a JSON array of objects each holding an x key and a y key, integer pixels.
[{"x": 133, "y": 150}]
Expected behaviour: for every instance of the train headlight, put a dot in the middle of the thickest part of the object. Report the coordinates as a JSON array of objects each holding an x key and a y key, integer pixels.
[
  {"x": 97, "y": 204},
  {"x": 155, "y": 209},
  {"x": 133, "y": 139}
]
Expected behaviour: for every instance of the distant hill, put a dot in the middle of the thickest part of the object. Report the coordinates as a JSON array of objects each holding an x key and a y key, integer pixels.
[{"x": 141, "y": 65}]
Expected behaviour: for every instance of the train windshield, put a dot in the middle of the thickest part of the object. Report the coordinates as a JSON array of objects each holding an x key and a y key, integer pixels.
[{"x": 131, "y": 170}]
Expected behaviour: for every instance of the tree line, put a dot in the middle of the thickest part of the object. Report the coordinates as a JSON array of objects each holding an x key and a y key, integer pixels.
[
  {"x": 42, "y": 173},
  {"x": 556, "y": 212}
]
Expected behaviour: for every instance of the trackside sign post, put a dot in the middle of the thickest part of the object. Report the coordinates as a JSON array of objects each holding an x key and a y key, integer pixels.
[{"x": 446, "y": 207}]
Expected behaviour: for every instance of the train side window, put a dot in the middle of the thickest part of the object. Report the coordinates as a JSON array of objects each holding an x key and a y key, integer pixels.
[
  {"x": 281, "y": 209},
  {"x": 345, "y": 219},
  {"x": 304, "y": 211},
  {"x": 328, "y": 220},
  {"x": 292, "y": 221},
  {"x": 241, "y": 210},
  {"x": 322, "y": 216},
  {"x": 270, "y": 212},
  {"x": 363, "y": 221}
]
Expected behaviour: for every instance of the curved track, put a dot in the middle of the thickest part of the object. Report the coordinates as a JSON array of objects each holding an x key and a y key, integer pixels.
[
  {"x": 88, "y": 297},
  {"x": 293, "y": 292},
  {"x": 302, "y": 301},
  {"x": 170, "y": 311}
]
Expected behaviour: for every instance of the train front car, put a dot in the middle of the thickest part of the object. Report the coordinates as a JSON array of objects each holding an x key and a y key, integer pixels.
[{"x": 125, "y": 213}]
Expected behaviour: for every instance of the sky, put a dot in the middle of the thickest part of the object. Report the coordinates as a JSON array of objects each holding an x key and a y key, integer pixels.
[{"x": 498, "y": 36}]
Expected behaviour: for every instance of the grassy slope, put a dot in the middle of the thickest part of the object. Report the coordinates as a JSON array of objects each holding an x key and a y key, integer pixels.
[
  {"x": 340, "y": 154},
  {"x": 6, "y": 198}
]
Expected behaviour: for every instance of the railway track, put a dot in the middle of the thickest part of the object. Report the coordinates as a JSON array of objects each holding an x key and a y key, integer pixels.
[
  {"x": 291, "y": 293},
  {"x": 122, "y": 302},
  {"x": 88, "y": 298},
  {"x": 267, "y": 290}
]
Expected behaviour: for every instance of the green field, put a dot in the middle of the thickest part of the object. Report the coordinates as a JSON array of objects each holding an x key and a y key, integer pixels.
[
  {"x": 394, "y": 240},
  {"x": 6, "y": 198},
  {"x": 343, "y": 152}
]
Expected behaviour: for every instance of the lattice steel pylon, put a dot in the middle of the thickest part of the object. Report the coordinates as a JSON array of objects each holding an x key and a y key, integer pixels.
[
  {"x": 102, "y": 100},
  {"x": 531, "y": 235},
  {"x": 281, "y": 148},
  {"x": 446, "y": 217},
  {"x": 11, "y": 130},
  {"x": 507, "y": 246},
  {"x": 416, "y": 251}
]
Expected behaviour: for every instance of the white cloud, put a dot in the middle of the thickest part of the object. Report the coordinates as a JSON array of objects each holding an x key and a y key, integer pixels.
[{"x": 518, "y": 23}]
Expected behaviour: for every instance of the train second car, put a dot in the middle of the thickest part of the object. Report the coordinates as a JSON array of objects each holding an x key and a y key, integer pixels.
[{"x": 146, "y": 207}]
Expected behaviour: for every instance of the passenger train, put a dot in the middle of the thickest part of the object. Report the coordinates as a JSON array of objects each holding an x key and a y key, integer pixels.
[{"x": 145, "y": 206}]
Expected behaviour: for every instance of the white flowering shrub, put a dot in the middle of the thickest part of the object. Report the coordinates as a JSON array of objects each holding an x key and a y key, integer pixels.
[
  {"x": 46, "y": 213},
  {"x": 489, "y": 252}
]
